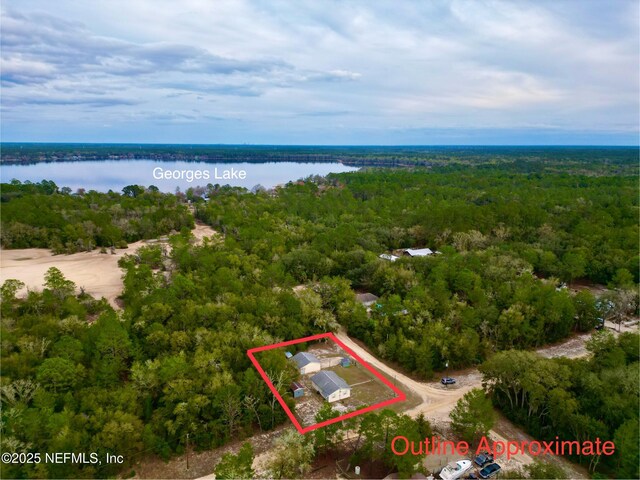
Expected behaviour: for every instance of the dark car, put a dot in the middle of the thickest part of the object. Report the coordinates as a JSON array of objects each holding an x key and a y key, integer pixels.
[
  {"x": 472, "y": 476},
  {"x": 484, "y": 458},
  {"x": 489, "y": 471},
  {"x": 448, "y": 381}
]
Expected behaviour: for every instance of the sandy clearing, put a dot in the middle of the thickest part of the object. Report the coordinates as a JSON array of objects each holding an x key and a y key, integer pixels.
[
  {"x": 574, "y": 347},
  {"x": 98, "y": 273}
]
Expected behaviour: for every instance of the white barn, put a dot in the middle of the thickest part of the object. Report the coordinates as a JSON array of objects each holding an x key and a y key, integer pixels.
[
  {"x": 307, "y": 362},
  {"x": 331, "y": 386}
]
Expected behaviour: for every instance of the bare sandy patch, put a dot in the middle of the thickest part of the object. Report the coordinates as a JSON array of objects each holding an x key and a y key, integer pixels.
[{"x": 98, "y": 273}]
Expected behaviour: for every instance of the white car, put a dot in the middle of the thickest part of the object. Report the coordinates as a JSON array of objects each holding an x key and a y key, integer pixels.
[{"x": 455, "y": 470}]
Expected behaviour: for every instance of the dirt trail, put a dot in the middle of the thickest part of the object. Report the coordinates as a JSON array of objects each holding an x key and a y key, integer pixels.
[
  {"x": 436, "y": 398},
  {"x": 96, "y": 272}
]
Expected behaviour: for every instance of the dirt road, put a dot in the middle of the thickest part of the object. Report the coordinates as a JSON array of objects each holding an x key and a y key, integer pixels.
[
  {"x": 438, "y": 400},
  {"x": 96, "y": 272}
]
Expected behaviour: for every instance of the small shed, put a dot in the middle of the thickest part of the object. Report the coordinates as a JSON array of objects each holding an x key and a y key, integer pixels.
[
  {"x": 297, "y": 389},
  {"x": 288, "y": 354},
  {"x": 345, "y": 362}
]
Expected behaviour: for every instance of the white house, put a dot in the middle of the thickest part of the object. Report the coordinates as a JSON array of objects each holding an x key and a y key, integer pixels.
[
  {"x": 306, "y": 362},
  {"x": 418, "y": 252},
  {"x": 388, "y": 256},
  {"x": 331, "y": 386}
]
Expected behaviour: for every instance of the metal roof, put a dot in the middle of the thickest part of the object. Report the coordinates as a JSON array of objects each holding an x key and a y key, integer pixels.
[
  {"x": 305, "y": 358},
  {"x": 366, "y": 297},
  {"x": 419, "y": 252},
  {"x": 328, "y": 382}
]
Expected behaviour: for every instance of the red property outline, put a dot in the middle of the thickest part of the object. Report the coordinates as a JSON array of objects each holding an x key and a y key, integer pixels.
[{"x": 400, "y": 396}]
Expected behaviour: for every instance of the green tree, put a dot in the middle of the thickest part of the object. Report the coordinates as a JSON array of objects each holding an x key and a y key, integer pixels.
[
  {"x": 622, "y": 279},
  {"x": 56, "y": 282},
  {"x": 59, "y": 374},
  {"x": 627, "y": 451},
  {"x": 326, "y": 438},
  {"x": 236, "y": 466},
  {"x": 8, "y": 295},
  {"x": 132, "y": 190},
  {"x": 586, "y": 310},
  {"x": 473, "y": 416},
  {"x": 292, "y": 457},
  {"x": 544, "y": 470},
  {"x": 9, "y": 289}
]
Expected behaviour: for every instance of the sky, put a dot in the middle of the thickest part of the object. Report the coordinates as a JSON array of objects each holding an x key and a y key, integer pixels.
[{"x": 459, "y": 72}]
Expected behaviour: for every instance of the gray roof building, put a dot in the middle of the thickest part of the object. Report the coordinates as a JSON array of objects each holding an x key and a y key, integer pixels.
[
  {"x": 366, "y": 298},
  {"x": 329, "y": 382},
  {"x": 305, "y": 358}
]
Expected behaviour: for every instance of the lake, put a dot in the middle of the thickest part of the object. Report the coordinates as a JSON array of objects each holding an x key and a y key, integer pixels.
[{"x": 167, "y": 176}]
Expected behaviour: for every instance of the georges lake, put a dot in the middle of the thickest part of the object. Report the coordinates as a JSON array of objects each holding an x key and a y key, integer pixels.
[{"x": 116, "y": 174}]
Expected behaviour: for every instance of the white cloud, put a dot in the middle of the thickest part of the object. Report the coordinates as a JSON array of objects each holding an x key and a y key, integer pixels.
[{"x": 271, "y": 67}]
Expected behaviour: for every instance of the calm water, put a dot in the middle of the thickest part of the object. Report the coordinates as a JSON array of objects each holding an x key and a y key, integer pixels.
[{"x": 116, "y": 174}]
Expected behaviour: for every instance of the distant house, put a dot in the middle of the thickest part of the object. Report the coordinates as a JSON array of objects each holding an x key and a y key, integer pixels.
[
  {"x": 418, "y": 252},
  {"x": 366, "y": 299},
  {"x": 306, "y": 362},
  {"x": 331, "y": 386},
  {"x": 297, "y": 389},
  {"x": 388, "y": 256}
]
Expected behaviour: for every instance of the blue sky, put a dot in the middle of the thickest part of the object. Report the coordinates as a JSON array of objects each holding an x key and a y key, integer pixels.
[{"x": 321, "y": 72}]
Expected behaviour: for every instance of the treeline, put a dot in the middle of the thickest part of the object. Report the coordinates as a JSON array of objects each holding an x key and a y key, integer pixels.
[
  {"x": 45, "y": 216},
  {"x": 589, "y": 160},
  {"x": 575, "y": 399}
]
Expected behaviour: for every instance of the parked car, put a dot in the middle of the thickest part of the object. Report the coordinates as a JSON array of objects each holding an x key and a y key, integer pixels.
[
  {"x": 489, "y": 471},
  {"x": 448, "y": 381},
  {"x": 600, "y": 324},
  {"x": 484, "y": 458},
  {"x": 455, "y": 470}
]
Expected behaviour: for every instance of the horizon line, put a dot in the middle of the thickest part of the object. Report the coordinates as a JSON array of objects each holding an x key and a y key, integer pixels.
[{"x": 573, "y": 145}]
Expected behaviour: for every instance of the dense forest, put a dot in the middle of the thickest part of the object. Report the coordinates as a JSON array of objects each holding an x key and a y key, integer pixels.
[
  {"x": 575, "y": 398},
  {"x": 497, "y": 232},
  {"x": 43, "y": 215},
  {"x": 78, "y": 375}
]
